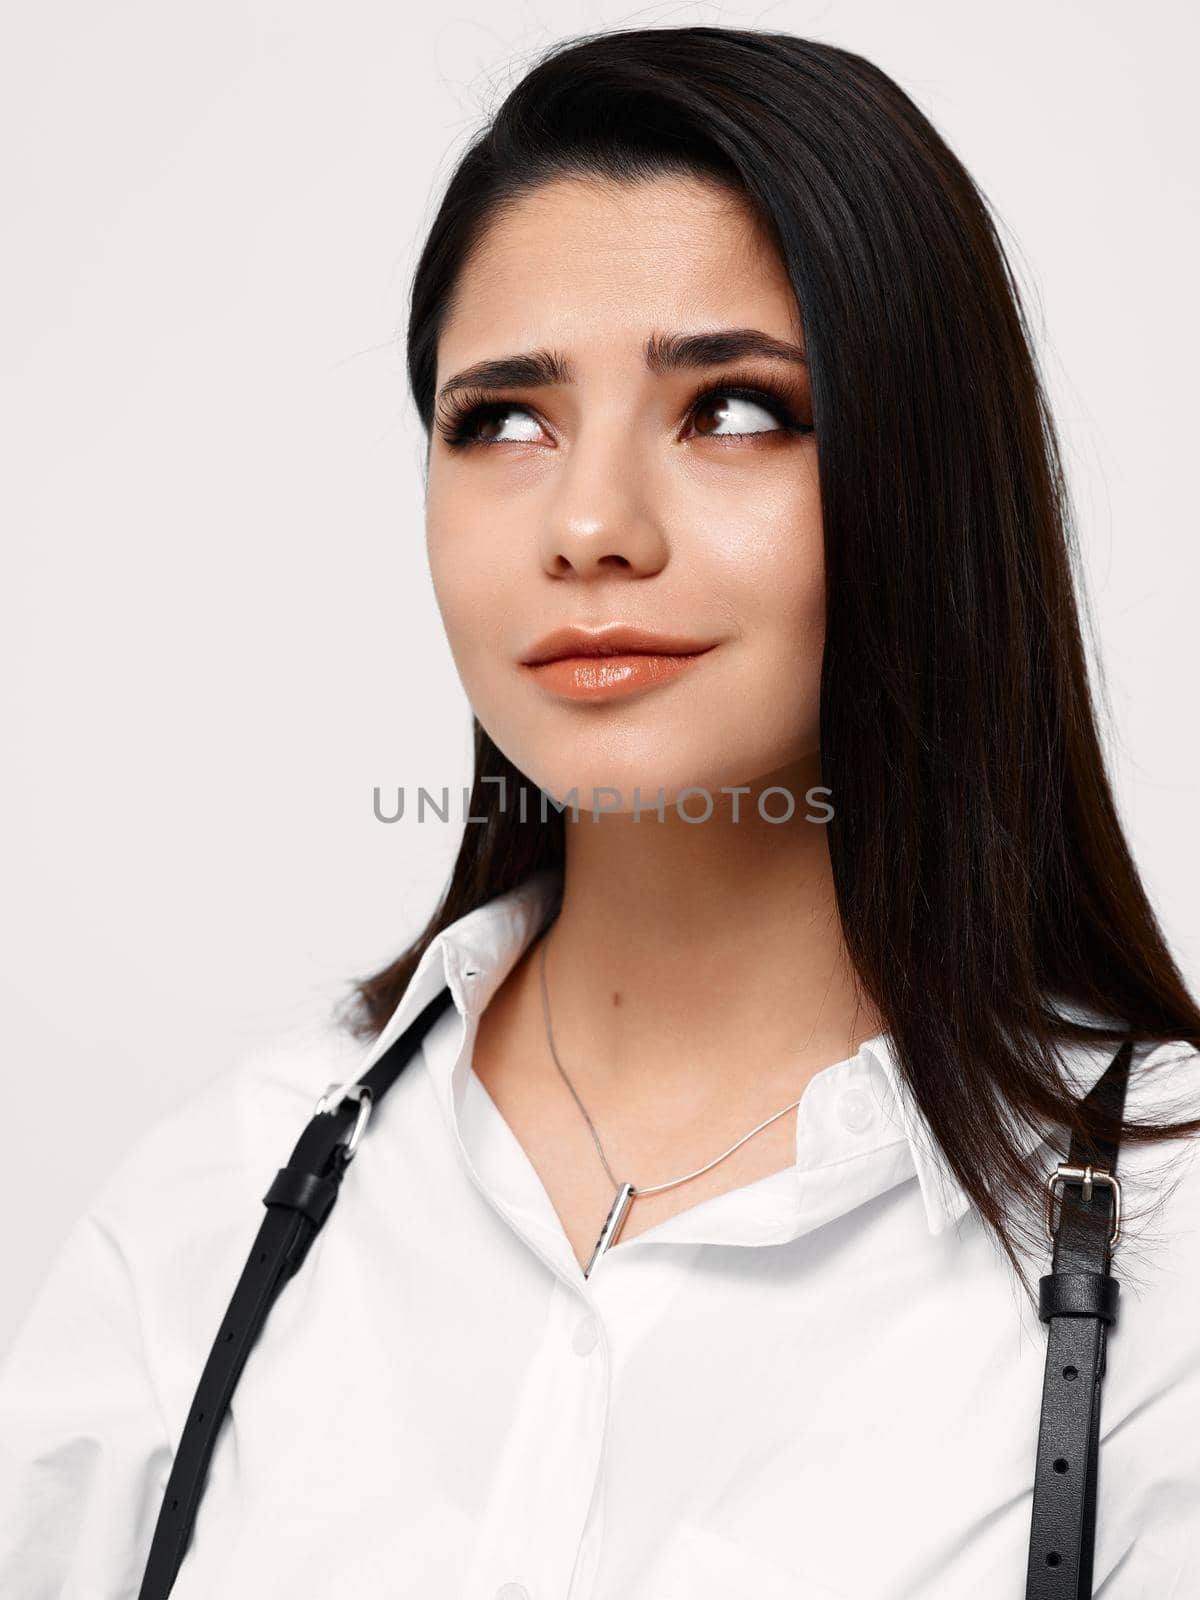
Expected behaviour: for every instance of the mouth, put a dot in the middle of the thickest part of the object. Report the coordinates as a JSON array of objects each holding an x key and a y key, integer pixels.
[
  {"x": 577, "y": 643},
  {"x": 604, "y": 676}
]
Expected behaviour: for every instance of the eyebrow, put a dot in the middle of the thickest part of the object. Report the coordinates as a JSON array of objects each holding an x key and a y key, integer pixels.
[{"x": 662, "y": 353}]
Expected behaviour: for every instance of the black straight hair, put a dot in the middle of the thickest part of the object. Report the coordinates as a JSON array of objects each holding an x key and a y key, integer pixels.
[{"x": 986, "y": 890}]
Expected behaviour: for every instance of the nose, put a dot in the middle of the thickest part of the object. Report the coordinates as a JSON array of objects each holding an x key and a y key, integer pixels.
[{"x": 601, "y": 517}]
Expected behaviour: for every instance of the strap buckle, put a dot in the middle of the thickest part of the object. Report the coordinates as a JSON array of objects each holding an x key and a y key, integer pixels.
[
  {"x": 1088, "y": 1176},
  {"x": 333, "y": 1097}
]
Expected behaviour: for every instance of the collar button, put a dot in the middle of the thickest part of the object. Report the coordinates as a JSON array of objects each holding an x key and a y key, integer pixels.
[{"x": 856, "y": 1110}]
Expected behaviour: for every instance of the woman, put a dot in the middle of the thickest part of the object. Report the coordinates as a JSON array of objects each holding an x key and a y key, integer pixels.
[{"x": 681, "y": 1260}]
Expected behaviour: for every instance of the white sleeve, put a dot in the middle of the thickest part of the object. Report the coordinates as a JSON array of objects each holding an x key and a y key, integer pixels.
[{"x": 84, "y": 1452}]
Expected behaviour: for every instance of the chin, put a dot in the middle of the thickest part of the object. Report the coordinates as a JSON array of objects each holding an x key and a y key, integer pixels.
[{"x": 617, "y": 785}]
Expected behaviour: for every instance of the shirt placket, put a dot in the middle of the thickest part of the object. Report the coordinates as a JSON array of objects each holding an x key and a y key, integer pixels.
[{"x": 544, "y": 1487}]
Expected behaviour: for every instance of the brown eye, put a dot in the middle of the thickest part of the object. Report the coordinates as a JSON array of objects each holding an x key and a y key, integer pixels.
[
  {"x": 487, "y": 424},
  {"x": 733, "y": 413},
  {"x": 487, "y": 428}
]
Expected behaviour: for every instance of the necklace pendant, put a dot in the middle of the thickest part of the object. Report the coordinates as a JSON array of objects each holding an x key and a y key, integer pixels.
[{"x": 610, "y": 1232}]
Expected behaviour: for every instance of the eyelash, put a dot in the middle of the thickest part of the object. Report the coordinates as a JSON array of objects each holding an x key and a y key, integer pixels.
[{"x": 458, "y": 415}]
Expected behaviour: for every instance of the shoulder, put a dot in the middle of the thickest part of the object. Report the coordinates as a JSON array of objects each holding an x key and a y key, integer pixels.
[
  {"x": 199, "y": 1172},
  {"x": 95, "y": 1386},
  {"x": 1160, "y": 1176},
  {"x": 1151, "y": 1407},
  {"x": 168, "y": 1231},
  {"x": 1156, "y": 1259}
]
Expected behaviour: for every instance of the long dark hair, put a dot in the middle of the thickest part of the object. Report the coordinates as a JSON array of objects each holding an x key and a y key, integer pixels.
[{"x": 985, "y": 886}]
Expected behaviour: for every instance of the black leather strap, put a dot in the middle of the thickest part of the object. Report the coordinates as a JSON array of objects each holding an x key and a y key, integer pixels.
[
  {"x": 298, "y": 1204},
  {"x": 1078, "y": 1299}
]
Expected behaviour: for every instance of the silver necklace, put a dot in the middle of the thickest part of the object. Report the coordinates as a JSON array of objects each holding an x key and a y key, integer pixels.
[{"x": 626, "y": 1192}]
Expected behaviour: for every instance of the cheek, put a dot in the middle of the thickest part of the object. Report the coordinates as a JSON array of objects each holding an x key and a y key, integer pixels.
[
  {"x": 470, "y": 579},
  {"x": 765, "y": 555}
]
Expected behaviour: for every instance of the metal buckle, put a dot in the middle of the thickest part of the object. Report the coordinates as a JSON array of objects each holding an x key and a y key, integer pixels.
[
  {"x": 332, "y": 1099},
  {"x": 1088, "y": 1176}
]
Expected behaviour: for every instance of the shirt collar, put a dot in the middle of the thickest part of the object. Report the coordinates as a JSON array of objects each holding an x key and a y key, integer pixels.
[
  {"x": 945, "y": 1199},
  {"x": 474, "y": 954}
]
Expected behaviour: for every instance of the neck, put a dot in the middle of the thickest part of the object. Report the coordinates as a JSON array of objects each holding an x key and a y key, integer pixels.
[{"x": 702, "y": 959}]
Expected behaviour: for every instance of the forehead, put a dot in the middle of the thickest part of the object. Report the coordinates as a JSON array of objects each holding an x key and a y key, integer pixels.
[{"x": 586, "y": 261}]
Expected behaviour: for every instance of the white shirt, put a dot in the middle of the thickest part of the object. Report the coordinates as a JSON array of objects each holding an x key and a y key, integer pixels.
[{"x": 822, "y": 1384}]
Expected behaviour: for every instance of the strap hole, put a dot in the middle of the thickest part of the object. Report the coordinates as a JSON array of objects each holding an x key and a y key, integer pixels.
[
  {"x": 174, "y": 1505},
  {"x": 1070, "y": 1373},
  {"x": 1052, "y": 1558},
  {"x": 262, "y": 1257},
  {"x": 1060, "y": 1465},
  {"x": 200, "y": 1418},
  {"x": 228, "y": 1335}
]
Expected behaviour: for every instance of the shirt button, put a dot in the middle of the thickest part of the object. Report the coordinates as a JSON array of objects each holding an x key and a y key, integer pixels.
[
  {"x": 856, "y": 1110},
  {"x": 583, "y": 1340},
  {"x": 512, "y": 1591}
]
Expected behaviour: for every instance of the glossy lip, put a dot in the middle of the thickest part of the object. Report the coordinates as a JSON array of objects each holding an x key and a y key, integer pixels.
[
  {"x": 609, "y": 677},
  {"x": 614, "y": 640}
]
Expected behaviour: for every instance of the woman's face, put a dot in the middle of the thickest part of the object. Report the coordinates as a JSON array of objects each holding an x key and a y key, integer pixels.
[{"x": 598, "y": 493}]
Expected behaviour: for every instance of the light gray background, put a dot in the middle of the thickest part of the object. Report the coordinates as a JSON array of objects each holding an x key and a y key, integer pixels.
[{"x": 217, "y": 624}]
